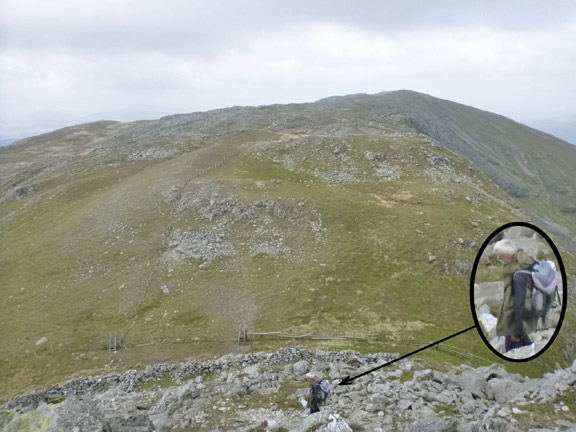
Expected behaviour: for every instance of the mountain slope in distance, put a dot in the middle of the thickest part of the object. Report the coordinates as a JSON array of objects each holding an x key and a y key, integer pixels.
[{"x": 347, "y": 217}]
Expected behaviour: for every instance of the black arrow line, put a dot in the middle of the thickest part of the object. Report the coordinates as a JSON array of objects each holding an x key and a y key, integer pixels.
[{"x": 348, "y": 380}]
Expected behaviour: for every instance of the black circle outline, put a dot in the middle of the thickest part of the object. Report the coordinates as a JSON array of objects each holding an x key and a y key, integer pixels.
[{"x": 564, "y": 285}]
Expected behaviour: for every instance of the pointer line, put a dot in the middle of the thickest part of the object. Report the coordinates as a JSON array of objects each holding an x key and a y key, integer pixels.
[{"x": 347, "y": 380}]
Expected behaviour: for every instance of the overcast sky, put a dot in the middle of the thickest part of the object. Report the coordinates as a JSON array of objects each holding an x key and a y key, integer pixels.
[{"x": 513, "y": 57}]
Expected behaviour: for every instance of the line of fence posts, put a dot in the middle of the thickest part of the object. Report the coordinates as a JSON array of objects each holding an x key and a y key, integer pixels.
[{"x": 202, "y": 171}]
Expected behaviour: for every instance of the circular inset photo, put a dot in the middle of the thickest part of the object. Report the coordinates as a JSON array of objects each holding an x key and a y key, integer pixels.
[{"x": 518, "y": 292}]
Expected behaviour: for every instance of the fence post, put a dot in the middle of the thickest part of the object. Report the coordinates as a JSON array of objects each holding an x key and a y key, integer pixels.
[
  {"x": 112, "y": 342},
  {"x": 242, "y": 334}
]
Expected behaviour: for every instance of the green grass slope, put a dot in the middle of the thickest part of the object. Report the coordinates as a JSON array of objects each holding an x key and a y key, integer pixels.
[{"x": 319, "y": 218}]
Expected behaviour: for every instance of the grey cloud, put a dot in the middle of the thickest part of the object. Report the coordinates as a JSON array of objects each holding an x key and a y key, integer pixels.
[
  {"x": 87, "y": 38},
  {"x": 193, "y": 28},
  {"x": 85, "y": 57}
]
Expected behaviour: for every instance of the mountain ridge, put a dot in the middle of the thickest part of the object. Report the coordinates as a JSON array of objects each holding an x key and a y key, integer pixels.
[{"x": 438, "y": 119}]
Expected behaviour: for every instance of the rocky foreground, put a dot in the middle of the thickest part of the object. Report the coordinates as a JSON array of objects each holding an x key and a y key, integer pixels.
[{"x": 268, "y": 392}]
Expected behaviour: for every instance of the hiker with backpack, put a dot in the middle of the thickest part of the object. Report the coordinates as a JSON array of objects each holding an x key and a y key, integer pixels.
[
  {"x": 318, "y": 394},
  {"x": 529, "y": 288}
]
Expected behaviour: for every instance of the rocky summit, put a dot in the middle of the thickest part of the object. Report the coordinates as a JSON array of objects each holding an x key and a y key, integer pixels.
[
  {"x": 350, "y": 223},
  {"x": 269, "y": 392}
]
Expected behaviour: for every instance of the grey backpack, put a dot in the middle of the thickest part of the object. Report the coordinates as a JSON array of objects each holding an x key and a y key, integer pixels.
[
  {"x": 544, "y": 282},
  {"x": 324, "y": 390}
]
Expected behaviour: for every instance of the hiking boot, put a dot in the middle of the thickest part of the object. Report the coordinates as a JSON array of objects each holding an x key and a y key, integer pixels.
[
  {"x": 524, "y": 340},
  {"x": 509, "y": 344}
]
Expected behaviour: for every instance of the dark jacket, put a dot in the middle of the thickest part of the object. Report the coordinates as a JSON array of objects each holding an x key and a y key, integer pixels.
[
  {"x": 515, "y": 317},
  {"x": 314, "y": 398}
]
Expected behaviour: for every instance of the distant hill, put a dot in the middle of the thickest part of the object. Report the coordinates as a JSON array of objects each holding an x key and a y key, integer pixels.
[
  {"x": 351, "y": 216},
  {"x": 563, "y": 128},
  {"x": 41, "y": 122},
  {"x": 6, "y": 141}
]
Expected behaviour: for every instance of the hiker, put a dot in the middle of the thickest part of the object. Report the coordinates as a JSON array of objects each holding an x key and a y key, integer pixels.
[
  {"x": 522, "y": 301},
  {"x": 318, "y": 394}
]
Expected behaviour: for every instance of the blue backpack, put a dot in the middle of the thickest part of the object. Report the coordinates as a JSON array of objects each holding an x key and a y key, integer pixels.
[
  {"x": 544, "y": 287},
  {"x": 324, "y": 390}
]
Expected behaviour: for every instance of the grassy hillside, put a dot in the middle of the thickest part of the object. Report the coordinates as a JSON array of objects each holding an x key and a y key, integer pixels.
[
  {"x": 340, "y": 218},
  {"x": 531, "y": 166}
]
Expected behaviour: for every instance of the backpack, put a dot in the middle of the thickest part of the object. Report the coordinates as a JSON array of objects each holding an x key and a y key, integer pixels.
[
  {"x": 324, "y": 390},
  {"x": 544, "y": 287}
]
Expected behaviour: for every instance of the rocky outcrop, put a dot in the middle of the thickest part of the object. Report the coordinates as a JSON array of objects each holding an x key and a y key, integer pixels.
[
  {"x": 202, "y": 245},
  {"x": 268, "y": 392}
]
